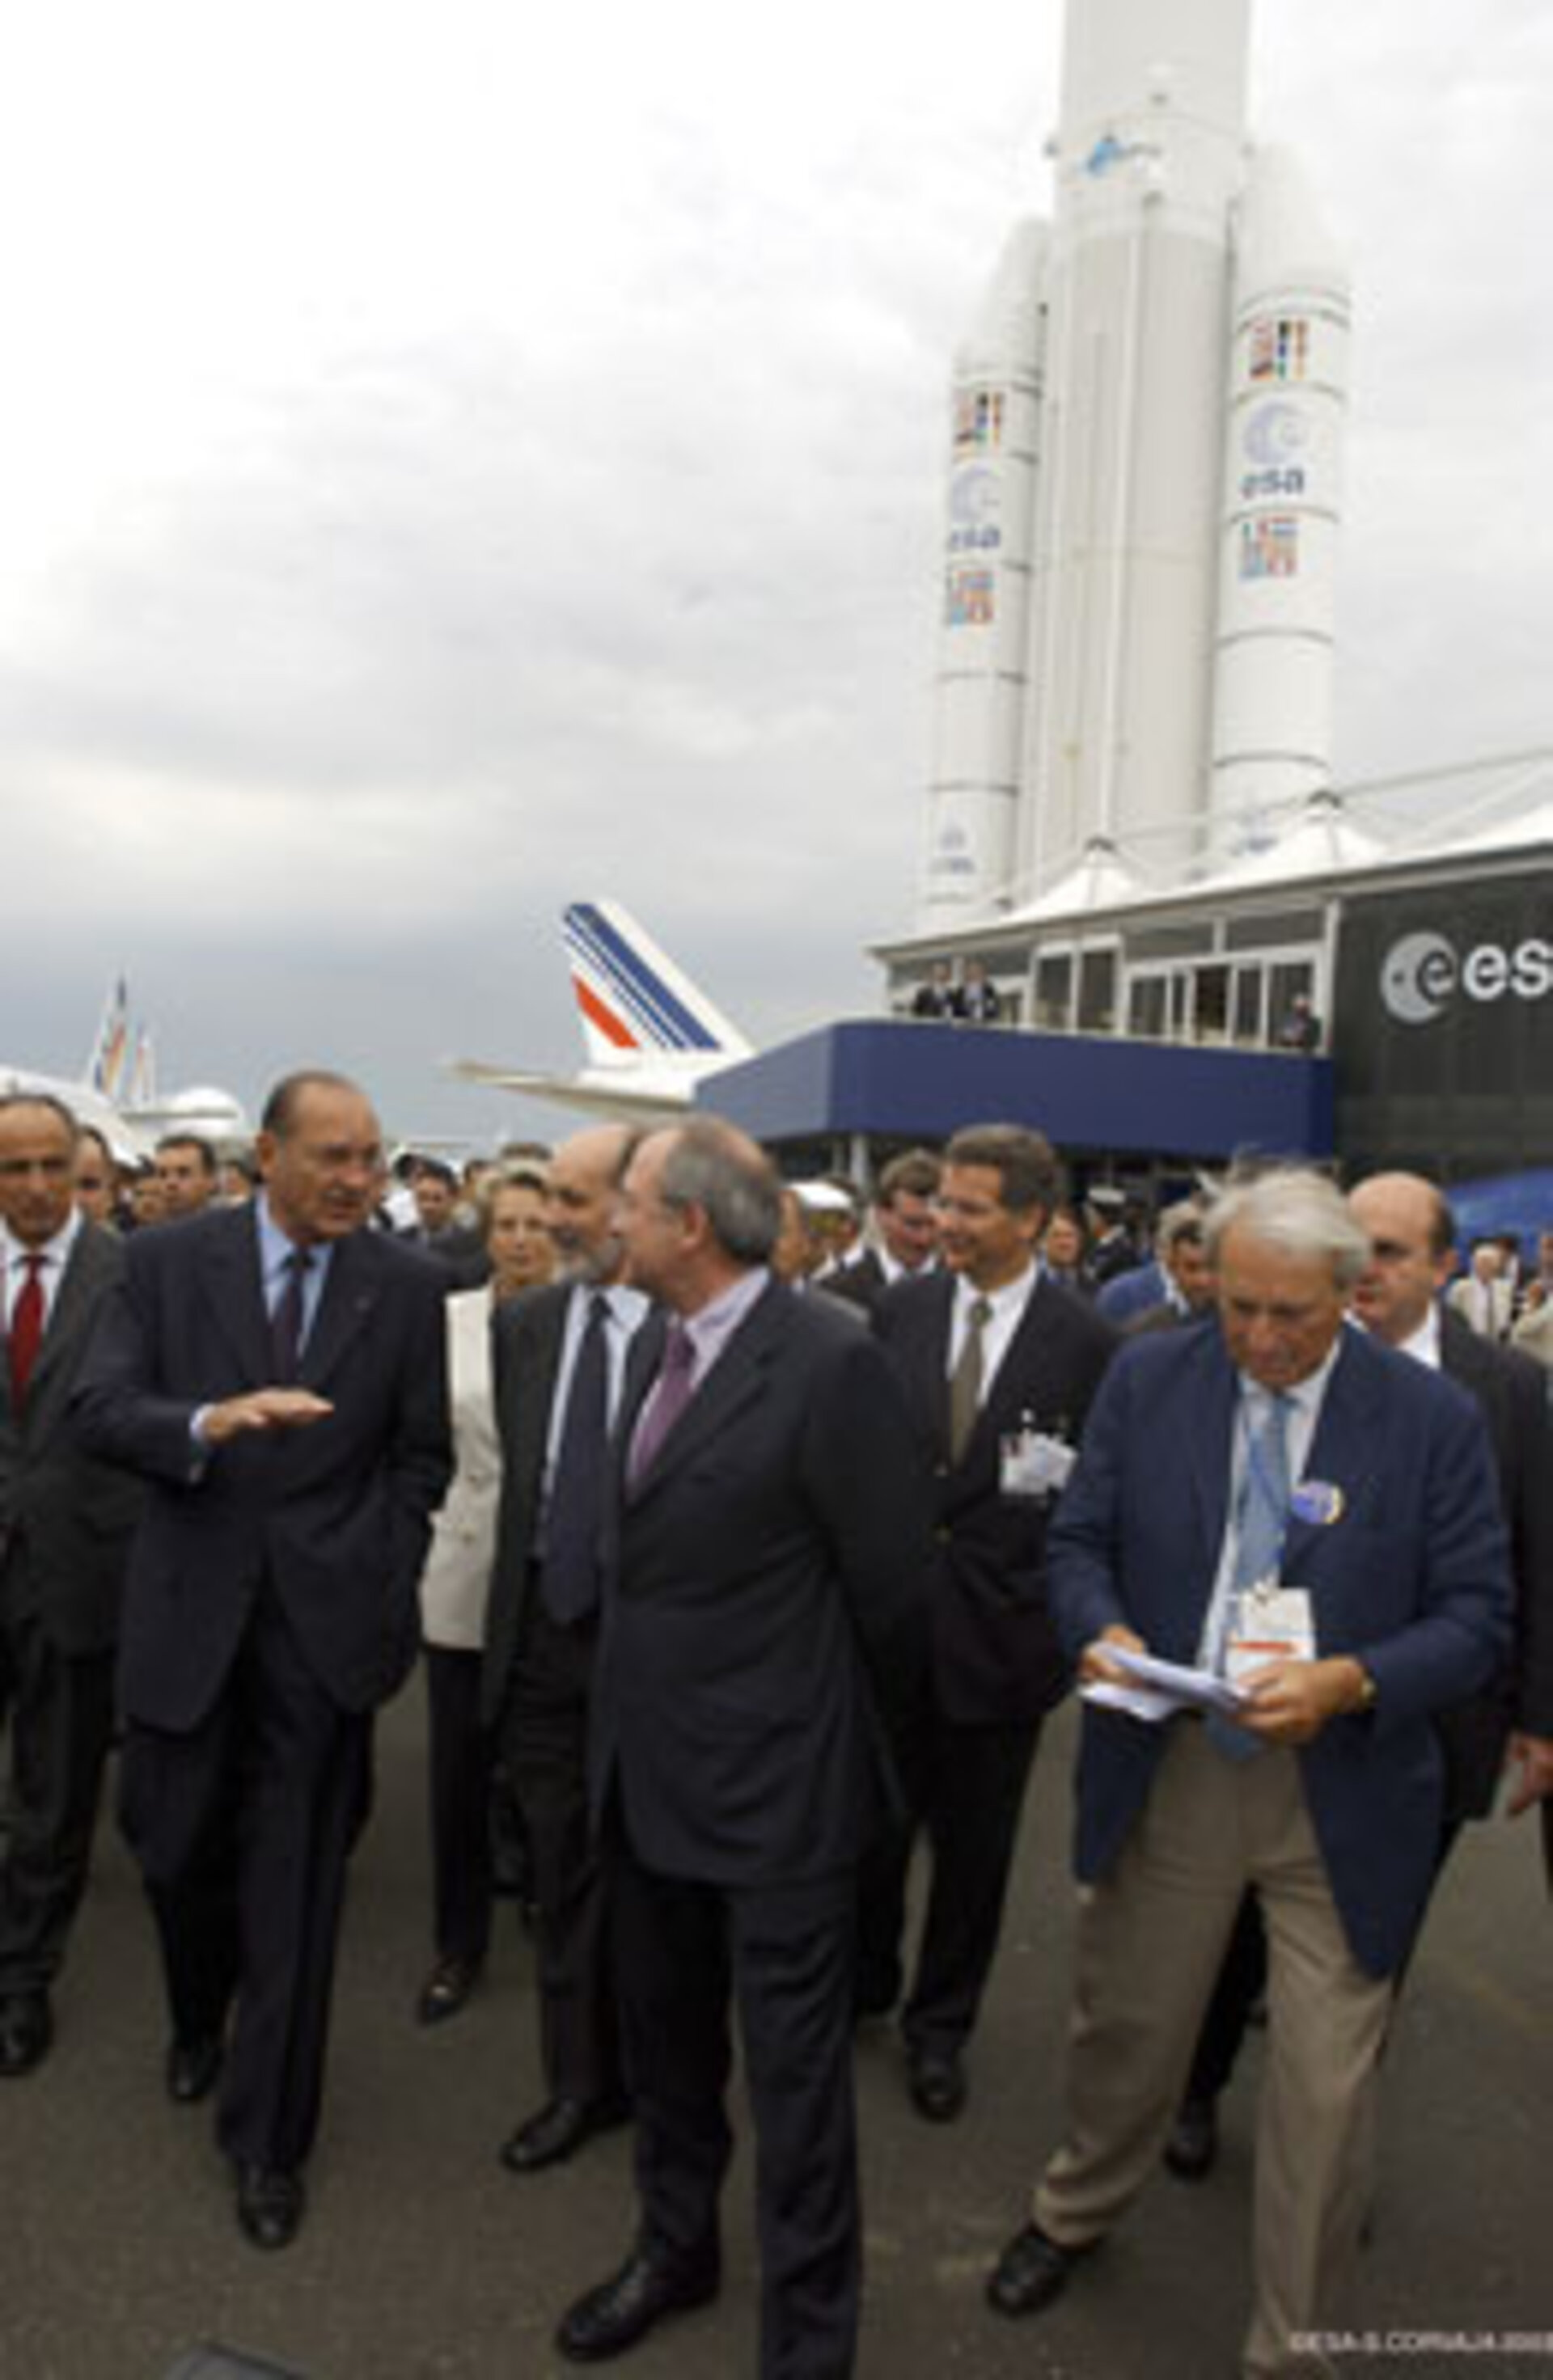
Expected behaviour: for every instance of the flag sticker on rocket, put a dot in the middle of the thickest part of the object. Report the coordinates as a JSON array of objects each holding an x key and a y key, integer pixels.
[
  {"x": 1280, "y": 347},
  {"x": 1269, "y": 547},
  {"x": 972, "y": 603},
  {"x": 978, "y": 419}
]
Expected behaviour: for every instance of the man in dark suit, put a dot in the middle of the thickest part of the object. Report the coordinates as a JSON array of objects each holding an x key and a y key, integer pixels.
[
  {"x": 999, "y": 1367},
  {"x": 1397, "y": 1299},
  {"x": 559, "y": 1363},
  {"x": 905, "y": 1227},
  {"x": 276, "y": 1374},
  {"x": 65, "y": 1525},
  {"x": 458, "y": 1248},
  {"x": 763, "y": 1609},
  {"x": 1305, "y": 1515},
  {"x": 1413, "y": 1237}
]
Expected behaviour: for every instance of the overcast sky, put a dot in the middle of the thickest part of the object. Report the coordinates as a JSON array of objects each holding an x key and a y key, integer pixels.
[{"x": 456, "y": 457}]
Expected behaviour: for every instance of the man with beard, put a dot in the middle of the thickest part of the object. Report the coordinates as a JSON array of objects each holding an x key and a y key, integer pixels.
[{"x": 559, "y": 1361}]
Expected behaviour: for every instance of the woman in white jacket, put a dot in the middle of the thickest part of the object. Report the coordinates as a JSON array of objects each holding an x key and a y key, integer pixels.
[{"x": 453, "y": 1595}]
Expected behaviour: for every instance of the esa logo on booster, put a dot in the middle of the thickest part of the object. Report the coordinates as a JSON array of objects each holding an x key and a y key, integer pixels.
[{"x": 1421, "y": 974}]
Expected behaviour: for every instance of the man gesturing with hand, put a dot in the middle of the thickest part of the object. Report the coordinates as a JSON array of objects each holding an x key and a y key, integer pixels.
[{"x": 276, "y": 1374}]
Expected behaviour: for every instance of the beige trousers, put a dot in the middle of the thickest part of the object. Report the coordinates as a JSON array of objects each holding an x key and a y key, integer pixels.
[{"x": 1150, "y": 1940}]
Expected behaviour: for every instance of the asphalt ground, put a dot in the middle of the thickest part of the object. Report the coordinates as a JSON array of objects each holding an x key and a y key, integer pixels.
[{"x": 423, "y": 2260}]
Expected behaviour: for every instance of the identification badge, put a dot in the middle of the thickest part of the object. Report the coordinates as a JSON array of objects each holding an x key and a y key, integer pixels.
[
  {"x": 1272, "y": 1624},
  {"x": 1033, "y": 1465}
]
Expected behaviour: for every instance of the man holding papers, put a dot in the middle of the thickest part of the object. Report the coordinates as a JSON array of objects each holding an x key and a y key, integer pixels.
[{"x": 1314, "y": 1520}]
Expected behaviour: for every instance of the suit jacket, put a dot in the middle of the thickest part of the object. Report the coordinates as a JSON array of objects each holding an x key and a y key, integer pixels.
[
  {"x": 336, "y": 1515},
  {"x": 456, "y": 1580},
  {"x": 764, "y": 1607},
  {"x": 1410, "y": 1575},
  {"x": 1130, "y": 1292},
  {"x": 526, "y": 1333},
  {"x": 65, "y": 1520},
  {"x": 1465, "y": 1298},
  {"x": 997, "y": 1660},
  {"x": 1513, "y": 1392}
]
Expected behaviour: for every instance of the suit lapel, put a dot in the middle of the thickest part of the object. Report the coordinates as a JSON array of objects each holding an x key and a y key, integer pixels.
[
  {"x": 1023, "y": 1381},
  {"x": 736, "y": 1378},
  {"x": 227, "y": 1261},
  {"x": 68, "y": 1320},
  {"x": 921, "y": 1342},
  {"x": 351, "y": 1292},
  {"x": 1209, "y": 1452},
  {"x": 1340, "y": 1453},
  {"x": 534, "y": 1388}
]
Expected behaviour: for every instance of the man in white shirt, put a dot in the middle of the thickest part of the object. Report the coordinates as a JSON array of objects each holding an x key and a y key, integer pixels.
[
  {"x": 65, "y": 1526},
  {"x": 999, "y": 1367}
]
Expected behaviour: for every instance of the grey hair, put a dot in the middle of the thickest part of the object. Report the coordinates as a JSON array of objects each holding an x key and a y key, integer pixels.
[
  {"x": 710, "y": 1165},
  {"x": 1185, "y": 1220},
  {"x": 1298, "y": 1211}
]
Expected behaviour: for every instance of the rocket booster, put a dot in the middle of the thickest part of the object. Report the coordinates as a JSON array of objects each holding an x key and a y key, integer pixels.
[
  {"x": 982, "y": 689},
  {"x": 1288, "y": 388},
  {"x": 1128, "y": 655}
]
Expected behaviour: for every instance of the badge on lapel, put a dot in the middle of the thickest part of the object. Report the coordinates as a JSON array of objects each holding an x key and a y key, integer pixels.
[{"x": 1317, "y": 1502}]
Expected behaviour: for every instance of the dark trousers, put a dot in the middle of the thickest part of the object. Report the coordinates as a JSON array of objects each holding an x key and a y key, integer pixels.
[
  {"x": 243, "y": 1828},
  {"x": 965, "y": 1786},
  {"x": 61, "y": 1720},
  {"x": 545, "y": 1748},
  {"x": 687, "y": 1952},
  {"x": 459, "y": 1775}
]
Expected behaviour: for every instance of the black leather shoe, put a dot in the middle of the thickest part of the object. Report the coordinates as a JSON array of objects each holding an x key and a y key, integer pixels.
[
  {"x": 559, "y": 2131},
  {"x": 653, "y": 2281},
  {"x": 193, "y": 2064},
  {"x": 270, "y": 2203},
  {"x": 445, "y": 1989},
  {"x": 26, "y": 2032},
  {"x": 936, "y": 2082},
  {"x": 1030, "y": 2273},
  {"x": 1191, "y": 2151}
]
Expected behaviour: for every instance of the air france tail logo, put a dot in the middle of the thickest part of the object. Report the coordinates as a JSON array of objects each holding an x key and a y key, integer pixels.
[{"x": 1421, "y": 975}]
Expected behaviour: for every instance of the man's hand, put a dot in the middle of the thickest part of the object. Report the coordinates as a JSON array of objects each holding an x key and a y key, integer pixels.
[
  {"x": 1095, "y": 1668},
  {"x": 1290, "y": 1702},
  {"x": 262, "y": 1409},
  {"x": 1531, "y": 1756}
]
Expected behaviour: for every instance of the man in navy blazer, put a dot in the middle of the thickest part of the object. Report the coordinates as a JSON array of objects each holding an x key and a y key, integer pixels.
[
  {"x": 764, "y": 1596},
  {"x": 276, "y": 1374},
  {"x": 1324, "y": 1792}
]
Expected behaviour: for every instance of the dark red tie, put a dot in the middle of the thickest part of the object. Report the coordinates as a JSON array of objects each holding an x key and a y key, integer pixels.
[{"x": 27, "y": 1329}]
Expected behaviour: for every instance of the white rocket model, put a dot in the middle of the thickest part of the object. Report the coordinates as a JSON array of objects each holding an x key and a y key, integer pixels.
[
  {"x": 1137, "y": 628},
  {"x": 1273, "y": 687}
]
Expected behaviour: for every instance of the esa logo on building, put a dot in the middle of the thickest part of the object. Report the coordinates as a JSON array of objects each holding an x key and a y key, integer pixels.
[{"x": 1422, "y": 975}]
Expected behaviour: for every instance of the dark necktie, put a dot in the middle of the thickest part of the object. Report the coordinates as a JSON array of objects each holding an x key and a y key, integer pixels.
[
  {"x": 569, "y": 1580},
  {"x": 285, "y": 1323},
  {"x": 965, "y": 1386},
  {"x": 667, "y": 1399},
  {"x": 27, "y": 1329}
]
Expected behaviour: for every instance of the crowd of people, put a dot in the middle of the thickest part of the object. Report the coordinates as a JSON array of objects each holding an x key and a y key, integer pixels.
[{"x": 746, "y": 1533}]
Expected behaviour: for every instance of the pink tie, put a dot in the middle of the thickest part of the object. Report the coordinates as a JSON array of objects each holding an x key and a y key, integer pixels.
[{"x": 670, "y": 1395}]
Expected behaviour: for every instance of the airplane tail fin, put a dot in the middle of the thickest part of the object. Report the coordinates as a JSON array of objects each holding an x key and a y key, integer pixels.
[
  {"x": 634, "y": 1003},
  {"x": 107, "y": 1065}
]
